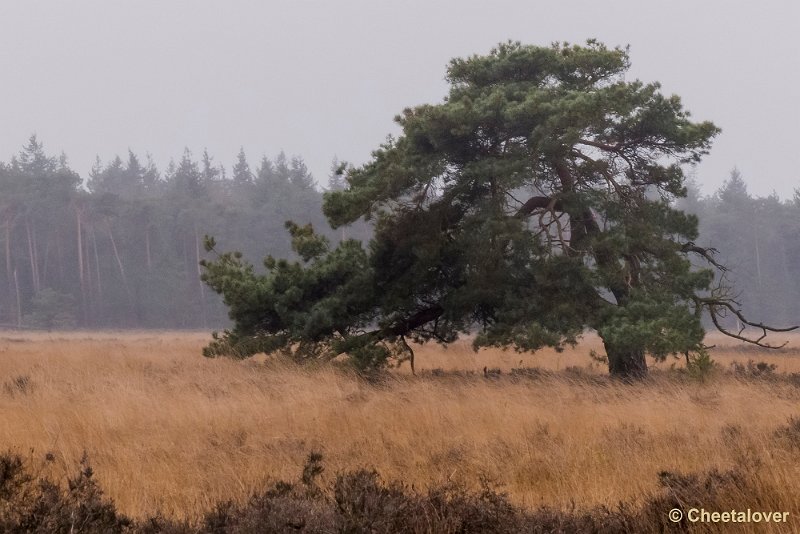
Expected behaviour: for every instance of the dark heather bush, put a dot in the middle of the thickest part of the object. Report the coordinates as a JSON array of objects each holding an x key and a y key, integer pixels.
[
  {"x": 754, "y": 369},
  {"x": 31, "y": 505},
  {"x": 355, "y": 502}
]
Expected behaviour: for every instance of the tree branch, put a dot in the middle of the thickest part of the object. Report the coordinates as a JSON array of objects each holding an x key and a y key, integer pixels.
[
  {"x": 603, "y": 146},
  {"x": 715, "y": 304},
  {"x": 707, "y": 253},
  {"x": 418, "y": 319},
  {"x": 535, "y": 203}
]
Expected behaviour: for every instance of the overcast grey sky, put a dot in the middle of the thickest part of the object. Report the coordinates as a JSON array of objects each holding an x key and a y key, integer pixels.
[{"x": 324, "y": 78}]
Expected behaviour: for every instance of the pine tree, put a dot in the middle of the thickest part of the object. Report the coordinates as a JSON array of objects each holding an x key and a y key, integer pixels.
[
  {"x": 536, "y": 201},
  {"x": 242, "y": 175}
]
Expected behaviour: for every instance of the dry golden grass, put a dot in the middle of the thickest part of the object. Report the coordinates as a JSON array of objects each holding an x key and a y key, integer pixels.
[{"x": 168, "y": 430}]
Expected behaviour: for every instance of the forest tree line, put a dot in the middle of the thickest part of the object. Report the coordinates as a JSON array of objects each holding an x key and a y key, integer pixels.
[{"x": 121, "y": 249}]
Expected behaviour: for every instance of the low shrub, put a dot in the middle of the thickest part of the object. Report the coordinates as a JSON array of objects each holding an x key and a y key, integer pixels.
[
  {"x": 754, "y": 369},
  {"x": 355, "y": 502}
]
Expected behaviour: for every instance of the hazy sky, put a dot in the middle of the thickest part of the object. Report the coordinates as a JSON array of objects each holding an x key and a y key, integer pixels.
[{"x": 325, "y": 78}]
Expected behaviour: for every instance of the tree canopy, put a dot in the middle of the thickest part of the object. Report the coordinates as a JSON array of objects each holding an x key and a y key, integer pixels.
[{"x": 534, "y": 202}]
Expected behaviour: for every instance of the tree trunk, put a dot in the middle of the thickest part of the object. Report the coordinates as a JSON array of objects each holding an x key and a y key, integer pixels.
[
  {"x": 625, "y": 362},
  {"x": 60, "y": 260},
  {"x": 9, "y": 268},
  {"x": 97, "y": 268},
  {"x": 32, "y": 258},
  {"x": 147, "y": 249},
  {"x": 45, "y": 262},
  {"x": 19, "y": 300},
  {"x": 81, "y": 270},
  {"x": 90, "y": 297},
  {"x": 93, "y": 276},
  {"x": 202, "y": 285},
  {"x": 119, "y": 262}
]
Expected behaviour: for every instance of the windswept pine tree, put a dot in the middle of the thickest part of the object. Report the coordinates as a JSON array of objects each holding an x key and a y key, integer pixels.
[{"x": 535, "y": 202}]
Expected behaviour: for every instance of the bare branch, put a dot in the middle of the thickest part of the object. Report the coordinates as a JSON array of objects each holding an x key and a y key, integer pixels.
[{"x": 716, "y": 307}]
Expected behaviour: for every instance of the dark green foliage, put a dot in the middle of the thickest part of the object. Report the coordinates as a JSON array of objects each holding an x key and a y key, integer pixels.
[
  {"x": 535, "y": 202},
  {"x": 301, "y": 309},
  {"x": 700, "y": 365}
]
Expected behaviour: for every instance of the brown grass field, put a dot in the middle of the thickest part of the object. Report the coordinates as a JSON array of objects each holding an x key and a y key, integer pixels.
[{"x": 168, "y": 430}]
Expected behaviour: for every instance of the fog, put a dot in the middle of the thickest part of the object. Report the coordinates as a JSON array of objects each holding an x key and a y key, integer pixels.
[{"x": 324, "y": 79}]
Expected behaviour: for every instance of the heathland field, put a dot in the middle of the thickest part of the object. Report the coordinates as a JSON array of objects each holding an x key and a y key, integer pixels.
[{"x": 169, "y": 431}]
